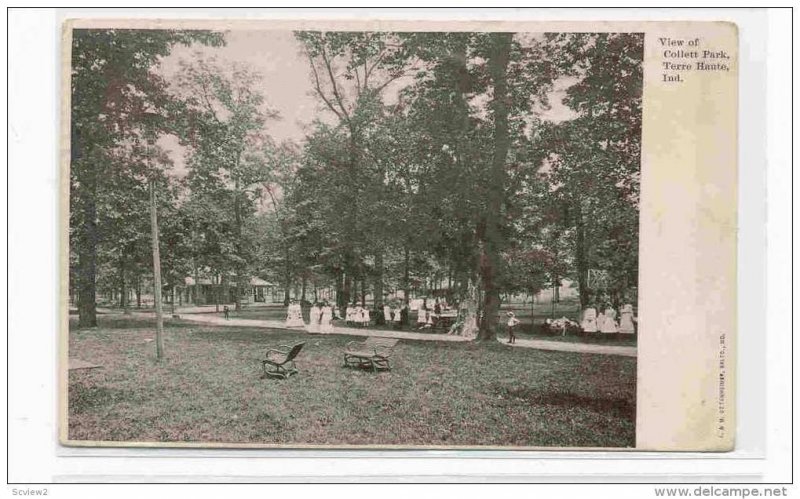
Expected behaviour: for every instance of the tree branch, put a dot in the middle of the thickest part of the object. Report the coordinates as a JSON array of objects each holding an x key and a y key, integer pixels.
[
  {"x": 319, "y": 89},
  {"x": 333, "y": 84}
]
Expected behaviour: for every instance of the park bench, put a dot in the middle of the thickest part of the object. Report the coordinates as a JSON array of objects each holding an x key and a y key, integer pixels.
[
  {"x": 373, "y": 353},
  {"x": 280, "y": 361}
]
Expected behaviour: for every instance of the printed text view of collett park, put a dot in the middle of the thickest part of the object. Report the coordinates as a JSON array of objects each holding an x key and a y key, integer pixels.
[{"x": 353, "y": 238}]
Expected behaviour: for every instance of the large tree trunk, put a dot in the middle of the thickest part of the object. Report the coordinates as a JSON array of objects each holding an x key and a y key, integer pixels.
[
  {"x": 490, "y": 236},
  {"x": 363, "y": 291},
  {"x": 580, "y": 258},
  {"x": 156, "y": 274},
  {"x": 87, "y": 261},
  {"x": 287, "y": 279},
  {"x": 138, "y": 291},
  {"x": 123, "y": 295},
  {"x": 340, "y": 301},
  {"x": 348, "y": 288},
  {"x": 406, "y": 278},
  {"x": 377, "y": 290},
  {"x": 241, "y": 270}
]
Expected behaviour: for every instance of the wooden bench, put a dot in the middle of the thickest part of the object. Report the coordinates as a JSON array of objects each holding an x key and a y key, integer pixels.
[
  {"x": 280, "y": 361},
  {"x": 373, "y": 353}
]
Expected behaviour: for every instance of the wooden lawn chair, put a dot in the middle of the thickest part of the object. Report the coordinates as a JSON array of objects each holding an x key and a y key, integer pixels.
[
  {"x": 373, "y": 353},
  {"x": 280, "y": 361}
]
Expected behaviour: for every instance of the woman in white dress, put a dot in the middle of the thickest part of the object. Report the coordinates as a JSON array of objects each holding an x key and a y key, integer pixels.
[
  {"x": 626, "y": 320},
  {"x": 422, "y": 315},
  {"x": 609, "y": 325},
  {"x": 325, "y": 325},
  {"x": 348, "y": 315},
  {"x": 397, "y": 317},
  {"x": 387, "y": 314},
  {"x": 294, "y": 315},
  {"x": 313, "y": 318},
  {"x": 589, "y": 322}
]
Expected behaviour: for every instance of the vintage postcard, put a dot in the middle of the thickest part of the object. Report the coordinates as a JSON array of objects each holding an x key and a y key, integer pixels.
[{"x": 384, "y": 234}]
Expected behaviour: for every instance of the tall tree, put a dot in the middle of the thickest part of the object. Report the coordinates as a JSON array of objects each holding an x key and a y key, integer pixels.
[
  {"x": 115, "y": 94},
  {"x": 228, "y": 157}
]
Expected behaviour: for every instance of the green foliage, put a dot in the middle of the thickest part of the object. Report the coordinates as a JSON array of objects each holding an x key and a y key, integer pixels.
[
  {"x": 434, "y": 159},
  {"x": 119, "y": 106}
]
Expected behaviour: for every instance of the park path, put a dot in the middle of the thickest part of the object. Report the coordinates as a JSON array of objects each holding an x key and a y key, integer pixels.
[
  {"x": 202, "y": 316},
  {"x": 559, "y": 346},
  {"x": 350, "y": 331}
]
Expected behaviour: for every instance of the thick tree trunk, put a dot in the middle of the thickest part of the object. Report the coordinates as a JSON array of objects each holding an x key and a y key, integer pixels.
[
  {"x": 195, "y": 292},
  {"x": 87, "y": 262},
  {"x": 241, "y": 268},
  {"x": 363, "y": 292},
  {"x": 556, "y": 290},
  {"x": 581, "y": 263},
  {"x": 303, "y": 290},
  {"x": 489, "y": 232},
  {"x": 138, "y": 291},
  {"x": 216, "y": 294},
  {"x": 348, "y": 288},
  {"x": 341, "y": 302},
  {"x": 122, "y": 279},
  {"x": 287, "y": 279},
  {"x": 156, "y": 274},
  {"x": 406, "y": 278},
  {"x": 377, "y": 289}
]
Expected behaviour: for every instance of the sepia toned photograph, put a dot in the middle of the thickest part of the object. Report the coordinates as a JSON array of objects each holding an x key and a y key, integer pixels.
[{"x": 338, "y": 238}]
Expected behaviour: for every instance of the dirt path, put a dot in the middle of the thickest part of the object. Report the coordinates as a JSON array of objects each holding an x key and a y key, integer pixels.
[{"x": 561, "y": 346}]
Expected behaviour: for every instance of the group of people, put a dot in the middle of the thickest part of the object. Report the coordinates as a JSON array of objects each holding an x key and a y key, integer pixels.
[
  {"x": 426, "y": 317},
  {"x": 356, "y": 315},
  {"x": 605, "y": 321},
  {"x": 394, "y": 315},
  {"x": 320, "y": 318}
]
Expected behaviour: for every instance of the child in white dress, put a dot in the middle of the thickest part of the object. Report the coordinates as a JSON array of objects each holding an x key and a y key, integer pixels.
[
  {"x": 626, "y": 320},
  {"x": 609, "y": 324},
  {"x": 313, "y": 318},
  {"x": 590, "y": 320}
]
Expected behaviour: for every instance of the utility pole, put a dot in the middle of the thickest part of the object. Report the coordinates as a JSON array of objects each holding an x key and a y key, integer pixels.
[{"x": 156, "y": 274}]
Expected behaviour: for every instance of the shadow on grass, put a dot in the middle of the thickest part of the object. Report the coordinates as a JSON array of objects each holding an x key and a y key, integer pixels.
[{"x": 616, "y": 407}]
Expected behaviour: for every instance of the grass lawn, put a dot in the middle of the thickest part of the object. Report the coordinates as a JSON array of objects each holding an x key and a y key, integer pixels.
[{"x": 209, "y": 389}]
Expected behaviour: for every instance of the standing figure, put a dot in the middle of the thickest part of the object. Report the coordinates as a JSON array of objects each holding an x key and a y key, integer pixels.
[
  {"x": 314, "y": 318},
  {"x": 512, "y": 323},
  {"x": 227, "y": 312},
  {"x": 365, "y": 318},
  {"x": 589, "y": 322},
  {"x": 349, "y": 315},
  {"x": 359, "y": 316},
  {"x": 626, "y": 320},
  {"x": 422, "y": 315},
  {"x": 294, "y": 315},
  {"x": 325, "y": 323},
  {"x": 396, "y": 318},
  {"x": 387, "y": 314},
  {"x": 609, "y": 325}
]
